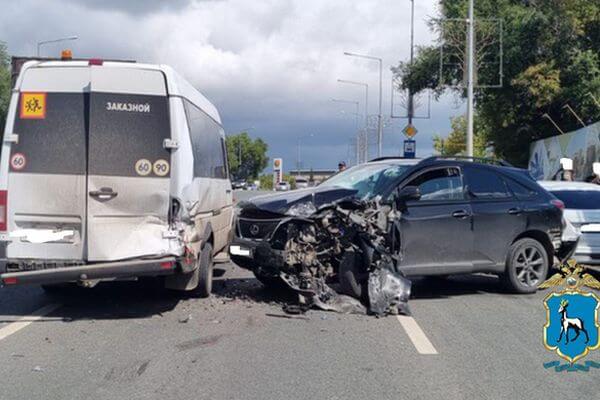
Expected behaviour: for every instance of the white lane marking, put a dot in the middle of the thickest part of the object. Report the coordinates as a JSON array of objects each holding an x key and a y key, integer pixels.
[
  {"x": 11, "y": 319},
  {"x": 26, "y": 320},
  {"x": 416, "y": 335}
]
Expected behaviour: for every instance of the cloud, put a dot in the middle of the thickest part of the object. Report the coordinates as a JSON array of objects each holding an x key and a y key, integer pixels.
[
  {"x": 134, "y": 7},
  {"x": 271, "y": 64}
]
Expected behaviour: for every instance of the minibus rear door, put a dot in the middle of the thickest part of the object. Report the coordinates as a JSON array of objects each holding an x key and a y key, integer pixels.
[
  {"x": 45, "y": 200},
  {"x": 128, "y": 166}
]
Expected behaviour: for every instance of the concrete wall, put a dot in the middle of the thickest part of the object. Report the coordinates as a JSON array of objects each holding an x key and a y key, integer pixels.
[{"x": 582, "y": 145}]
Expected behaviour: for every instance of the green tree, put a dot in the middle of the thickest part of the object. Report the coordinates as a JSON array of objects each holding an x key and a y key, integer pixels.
[
  {"x": 291, "y": 180},
  {"x": 266, "y": 182},
  {"x": 4, "y": 84},
  {"x": 551, "y": 58},
  {"x": 251, "y": 152},
  {"x": 456, "y": 141}
]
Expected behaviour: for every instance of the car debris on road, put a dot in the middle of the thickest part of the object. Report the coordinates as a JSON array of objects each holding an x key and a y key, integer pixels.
[{"x": 350, "y": 238}]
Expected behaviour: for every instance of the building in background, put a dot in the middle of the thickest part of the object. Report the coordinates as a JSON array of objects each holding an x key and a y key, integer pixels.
[
  {"x": 314, "y": 176},
  {"x": 582, "y": 146}
]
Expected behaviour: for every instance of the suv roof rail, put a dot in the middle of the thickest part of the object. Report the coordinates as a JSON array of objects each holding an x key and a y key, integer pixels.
[
  {"x": 394, "y": 158},
  {"x": 481, "y": 160}
]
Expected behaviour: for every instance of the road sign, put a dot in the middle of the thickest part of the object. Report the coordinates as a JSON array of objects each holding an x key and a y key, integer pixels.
[
  {"x": 410, "y": 148},
  {"x": 410, "y": 131}
]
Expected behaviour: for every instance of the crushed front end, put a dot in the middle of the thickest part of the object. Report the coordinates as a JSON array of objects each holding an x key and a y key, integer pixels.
[{"x": 340, "y": 257}]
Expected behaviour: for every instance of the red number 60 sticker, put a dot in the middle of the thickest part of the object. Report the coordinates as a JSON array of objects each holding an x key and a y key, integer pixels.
[{"x": 18, "y": 161}]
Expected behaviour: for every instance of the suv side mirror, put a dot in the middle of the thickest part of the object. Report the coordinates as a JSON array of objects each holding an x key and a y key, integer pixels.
[
  {"x": 409, "y": 193},
  {"x": 405, "y": 194}
]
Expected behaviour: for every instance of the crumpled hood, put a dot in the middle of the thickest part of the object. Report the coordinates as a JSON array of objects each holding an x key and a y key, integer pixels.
[{"x": 281, "y": 203}]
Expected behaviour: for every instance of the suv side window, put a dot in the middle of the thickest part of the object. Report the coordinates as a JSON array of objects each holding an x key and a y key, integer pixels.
[
  {"x": 486, "y": 185},
  {"x": 439, "y": 185},
  {"x": 521, "y": 191}
]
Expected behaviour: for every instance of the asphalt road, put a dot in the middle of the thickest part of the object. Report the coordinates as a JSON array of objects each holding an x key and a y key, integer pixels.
[{"x": 133, "y": 340}]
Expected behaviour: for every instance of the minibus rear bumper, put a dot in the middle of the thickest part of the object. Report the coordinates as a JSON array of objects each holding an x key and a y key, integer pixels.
[{"x": 87, "y": 272}]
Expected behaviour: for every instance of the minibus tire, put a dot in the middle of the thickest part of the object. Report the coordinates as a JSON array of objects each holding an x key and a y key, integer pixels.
[{"x": 205, "y": 271}]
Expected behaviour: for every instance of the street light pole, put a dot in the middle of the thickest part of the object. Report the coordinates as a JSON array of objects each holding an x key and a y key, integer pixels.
[
  {"x": 298, "y": 156},
  {"x": 567, "y": 106},
  {"x": 357, "y": 115},
  {"x": 39, "y": 44},
  {"x": 470, "y": 77},
  {"x": 298, "y": 151},
  {"x": 379, "y": 116},
  {"x": 356, "y": 103},
  {"x": 366, "y": 110},
  {"x": 549, "y": 118}
]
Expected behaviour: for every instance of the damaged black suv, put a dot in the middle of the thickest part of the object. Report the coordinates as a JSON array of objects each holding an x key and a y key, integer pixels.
[{"x": 442, "y": 216}]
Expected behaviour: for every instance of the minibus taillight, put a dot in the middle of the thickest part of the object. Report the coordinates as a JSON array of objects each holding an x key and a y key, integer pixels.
[
  {"x": 3, "y": 209},
  {"x": 166, "y": 265},
  {"x": 95, "y": 61}
]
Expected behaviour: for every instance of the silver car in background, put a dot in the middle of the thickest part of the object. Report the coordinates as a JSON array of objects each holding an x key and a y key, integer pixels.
[{"x": 582, "y": 210}]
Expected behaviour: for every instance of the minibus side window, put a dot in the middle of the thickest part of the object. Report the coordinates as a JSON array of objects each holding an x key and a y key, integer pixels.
[
  {"x": 224, "y": 151},
  {"x": 205, "y": 135}
]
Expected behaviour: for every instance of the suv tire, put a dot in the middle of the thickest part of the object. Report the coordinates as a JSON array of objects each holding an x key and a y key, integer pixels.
[
  {"x": 349, "y": 275},
  {"x": 205, "y": 270},
  {"x": 526, "y": 266}
]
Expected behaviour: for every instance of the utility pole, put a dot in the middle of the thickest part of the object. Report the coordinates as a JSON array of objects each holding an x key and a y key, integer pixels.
[
  {"x": 379, "y": 116},
  {"x": 410, "y": 108},
  {"x": 470, "y": 77}
]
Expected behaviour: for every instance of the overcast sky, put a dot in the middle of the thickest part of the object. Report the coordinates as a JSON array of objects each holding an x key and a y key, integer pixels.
[{"x": 271, "y": 65}]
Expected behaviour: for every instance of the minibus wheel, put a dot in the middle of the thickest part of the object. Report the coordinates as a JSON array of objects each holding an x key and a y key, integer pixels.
[{"x": 205, "y": 270}]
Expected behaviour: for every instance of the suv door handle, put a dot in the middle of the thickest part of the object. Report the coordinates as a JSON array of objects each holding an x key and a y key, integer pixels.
[
  {"x": 460, "y": 214},
  {"x": 103, "y": 194},
  {"x": 515, "y": 211}
]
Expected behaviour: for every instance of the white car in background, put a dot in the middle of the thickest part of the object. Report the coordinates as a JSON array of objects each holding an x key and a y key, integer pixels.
[
  {"x": 582, "y": 210},
  {"x": 282, "y": 186},
  {"x": 301, "y": 183}
]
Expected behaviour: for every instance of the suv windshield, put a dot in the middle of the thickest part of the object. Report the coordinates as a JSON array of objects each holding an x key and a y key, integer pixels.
[{"x": 367, "y": 179}]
